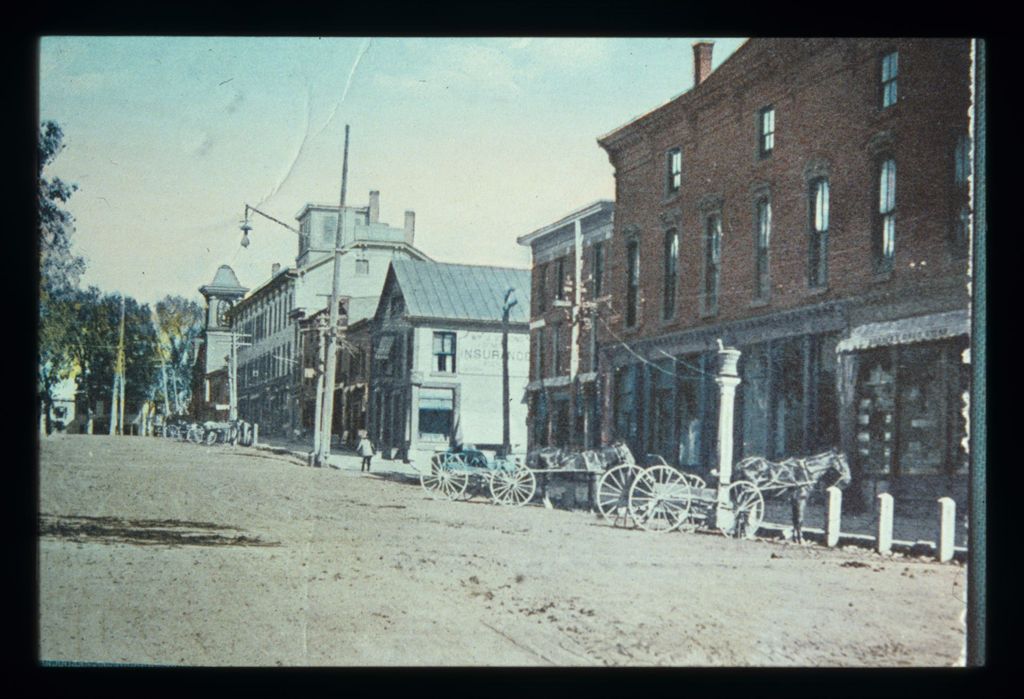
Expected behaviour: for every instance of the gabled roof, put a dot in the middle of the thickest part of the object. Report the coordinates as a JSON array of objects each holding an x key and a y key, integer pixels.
[{"x": 460, "y": 292}]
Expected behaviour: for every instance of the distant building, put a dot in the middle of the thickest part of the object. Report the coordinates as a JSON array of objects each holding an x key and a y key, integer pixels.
[
  {"x": 436, "y": 358},
  {"x": 273, "y": 320},
  {"x": 210, "y": 383},
  {"x": 808, "y": 202},
  {"x": 563, "y": 392}
]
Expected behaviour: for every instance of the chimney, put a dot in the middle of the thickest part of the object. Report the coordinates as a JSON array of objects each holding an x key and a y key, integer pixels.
[
  {"x": 275, "y": 268},
  {"x": 410, "y": 226},
  {"x": 702, "y": 61},
  {"x": 374, "y": 206}
]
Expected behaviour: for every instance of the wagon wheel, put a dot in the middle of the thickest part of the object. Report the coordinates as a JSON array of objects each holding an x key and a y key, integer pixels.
[
  {"x": 512, "y": 484},
  {"x": 195, "y": 435},
  {"x": 694, "y": 481},
  {"x": 446, "y": 478},
  {"x": 211, "y": 438},
  {"x": 747, "y": 509},
  {"x": 613, "y": 492},
  {"x": 659, "y": 500},
  {"x": 171, "y": 432}
]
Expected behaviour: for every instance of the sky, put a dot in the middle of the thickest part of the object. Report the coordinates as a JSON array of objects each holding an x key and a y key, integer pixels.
[{"x": 486, "y": 139}]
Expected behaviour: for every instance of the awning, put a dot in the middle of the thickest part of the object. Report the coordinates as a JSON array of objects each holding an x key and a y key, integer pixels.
[
  {"x": 436, "y": 399},
  {"x": 937, "y": 326},
  {"x": 384, "y": 347}
]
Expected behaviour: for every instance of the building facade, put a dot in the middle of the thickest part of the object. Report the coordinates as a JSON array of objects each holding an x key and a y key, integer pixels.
[
  {"x": 436, "y": 358},
  {"x": 273, "y": 321},
  {"x": 567, "y": 280},
  {"x": 808, "y": 202}
]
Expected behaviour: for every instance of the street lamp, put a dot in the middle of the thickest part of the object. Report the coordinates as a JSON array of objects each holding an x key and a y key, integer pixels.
[
  {"x": 246, "y": 227},
  {"x": 510, "y": 301}
]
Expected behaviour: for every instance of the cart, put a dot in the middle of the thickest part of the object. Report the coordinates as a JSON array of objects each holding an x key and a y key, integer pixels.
[
  {"x": 658, "y": 497},
  {"x": 460, "y": 474}
]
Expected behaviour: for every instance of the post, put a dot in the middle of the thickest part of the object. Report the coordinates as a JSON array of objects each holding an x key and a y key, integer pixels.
[
  {"x": 255, "y": 433},
  {"x": 117, "y": 390},
  {"x": 506, "y": 439},
  {"x": 332, "y": 331},
  {"x": 833, "y": 515},
  {"x": 947, "y": 530},
  {"x": 884, "y": 541},
  {"x": 318, "y": 404},
  {"x": 233, "y": 380},
  {"x": 727, "y": 379}
]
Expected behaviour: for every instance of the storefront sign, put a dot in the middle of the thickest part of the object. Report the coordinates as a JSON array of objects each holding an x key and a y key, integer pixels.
[
  {"x": 908, "y": 330},
  {"x": 481, "y": 352}
]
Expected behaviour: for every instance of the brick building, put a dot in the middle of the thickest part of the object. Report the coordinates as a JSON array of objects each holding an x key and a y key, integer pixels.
[
  {"x": 809, "y": 203},
  {"x": 563, "y": 394}
]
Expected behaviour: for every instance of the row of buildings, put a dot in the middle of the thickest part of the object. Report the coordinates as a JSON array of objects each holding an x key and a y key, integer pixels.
[{"x": 809, "y": 202}]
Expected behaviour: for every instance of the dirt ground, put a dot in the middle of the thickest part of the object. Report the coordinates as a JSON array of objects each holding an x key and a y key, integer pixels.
[{"x": 156, "y": 552}]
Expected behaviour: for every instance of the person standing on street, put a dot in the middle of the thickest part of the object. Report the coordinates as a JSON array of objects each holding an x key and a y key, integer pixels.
[{"x": 365, "y": 450}]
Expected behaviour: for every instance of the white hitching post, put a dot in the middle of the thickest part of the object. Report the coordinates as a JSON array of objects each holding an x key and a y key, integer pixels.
[
  {"x": 884, "y": 544},
  {"x": 947, "y": 530},
  {"x": 255, "y": 433},
  {"x": 728, "y": 379},
  {"x": 833, "y": 515}
]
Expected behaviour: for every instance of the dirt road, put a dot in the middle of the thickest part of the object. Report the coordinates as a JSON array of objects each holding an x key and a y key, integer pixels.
[{"x": 170, "y": 553}]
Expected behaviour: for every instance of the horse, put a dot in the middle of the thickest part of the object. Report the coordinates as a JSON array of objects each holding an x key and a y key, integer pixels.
[
  {"x": 601, "y": 459},
  {"x": 796, "y": 477}
]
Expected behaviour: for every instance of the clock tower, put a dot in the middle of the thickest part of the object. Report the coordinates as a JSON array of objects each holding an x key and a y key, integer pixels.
[{"x": 220, "y": 294}]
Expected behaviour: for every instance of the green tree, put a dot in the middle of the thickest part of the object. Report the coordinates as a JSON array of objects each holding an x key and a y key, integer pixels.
[
  {"x": 179, "y": 323},
  {"x": 59, "y": 269}
]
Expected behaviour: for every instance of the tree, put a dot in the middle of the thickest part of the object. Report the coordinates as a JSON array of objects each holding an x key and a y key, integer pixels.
[
  {"x": 179, "y": 324},
  {"x": 59, "y": 269}
]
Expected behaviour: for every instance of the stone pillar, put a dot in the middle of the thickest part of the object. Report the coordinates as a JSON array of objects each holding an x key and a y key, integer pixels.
[
  {"x": 884, "y": 542},
  {"x": 833, "y": 515},
  {"x": 947, "y": 530},
  {"x": 727, "y": 379}
]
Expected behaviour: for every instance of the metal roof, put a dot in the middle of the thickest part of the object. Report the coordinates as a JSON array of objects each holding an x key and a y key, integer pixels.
[
  {"x": 225, "y": 282},
  {"x": 461, "y": 292}
]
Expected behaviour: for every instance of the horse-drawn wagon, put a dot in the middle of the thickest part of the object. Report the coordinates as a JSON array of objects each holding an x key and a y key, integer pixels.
[{"x": 661, "y": 498}]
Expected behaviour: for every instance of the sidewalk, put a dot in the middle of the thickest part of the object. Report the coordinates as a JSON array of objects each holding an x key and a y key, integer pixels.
[{"x": 342, "y": 458}]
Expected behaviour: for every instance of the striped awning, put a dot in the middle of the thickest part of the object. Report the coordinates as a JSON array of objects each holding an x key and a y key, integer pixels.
[{"x": 937, "y": 326}]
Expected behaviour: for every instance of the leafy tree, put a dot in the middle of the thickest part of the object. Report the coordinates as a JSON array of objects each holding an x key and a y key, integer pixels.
[
  {"x": 179, "y": 324},
  {"x": 96, "y": 318},
  {"x": 60, "y": 268}
]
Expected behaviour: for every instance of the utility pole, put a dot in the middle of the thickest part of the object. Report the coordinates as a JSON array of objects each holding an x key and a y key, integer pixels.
[
  {"x": 321, "y": 352},
  {"x": 117, "y": 390},
  {"x": 233, "y": 380},
  {"x": 506, "y": 440},
  {"x": 332, "y": 331}
]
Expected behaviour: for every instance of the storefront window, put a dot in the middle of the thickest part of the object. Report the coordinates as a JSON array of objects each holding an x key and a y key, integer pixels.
[
  {"x": 823, "y": 417},
  {"x": 788, "y": 398},
  {"x": 436, "y": 411},
  {"x": 921, "y": 407},
  {"x": 754, "y": 391},
  {"x": 625, "y": 405},
  {"x": 876, "y": 405},
  {"x": 696, "y": 411},
  {"x": 662, "y": 409}
]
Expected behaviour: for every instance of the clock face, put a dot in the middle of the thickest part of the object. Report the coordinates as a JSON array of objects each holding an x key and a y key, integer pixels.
[{"x": 222, "y": 312}]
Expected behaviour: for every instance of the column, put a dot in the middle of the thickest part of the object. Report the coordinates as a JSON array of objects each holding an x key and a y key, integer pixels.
[{"x": 727, "y": 379}]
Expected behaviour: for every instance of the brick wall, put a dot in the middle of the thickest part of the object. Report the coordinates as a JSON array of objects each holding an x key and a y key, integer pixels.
[{"x": 826, "y": 95}]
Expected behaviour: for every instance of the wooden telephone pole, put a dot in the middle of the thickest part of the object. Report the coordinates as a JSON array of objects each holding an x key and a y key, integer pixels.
[{"x": 117, "y": 391}]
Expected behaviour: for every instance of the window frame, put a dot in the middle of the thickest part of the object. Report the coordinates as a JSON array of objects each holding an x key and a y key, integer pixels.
[
  {"x": 711, "y": 263},
  {"x": 632, "y": 283},
  {"x": 670, "y": 269},
  {"x": 597, "y": 271},
  {"x": 673, "y": 171},
  {"x": 436, "y": 366},
  {"x": 817, "y": 276},
  {"x": 560, "y": 279},
  {"x": 891, "y": 81},
  {"x": 556, "y": 350},
  {"x": 763, "y": 135},
  {"x": 883, "y": 240},
  {"x": 762, "y": 247},
  {"x": 542, "y": 287}
]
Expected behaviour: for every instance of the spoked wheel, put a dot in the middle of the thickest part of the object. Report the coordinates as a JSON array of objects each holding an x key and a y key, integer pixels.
[
  {"x": 211, "y": 438},
  {"x": 613, "y": 493},
  {"x": 512, "y": 484},
  {"x": 659, "y": 500},
  {"x": 747, "y": 510},
  {"x": 195, "y": 435},
  {"x": 171, "y": 432},
  {"x": 446, "y": 479}
]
